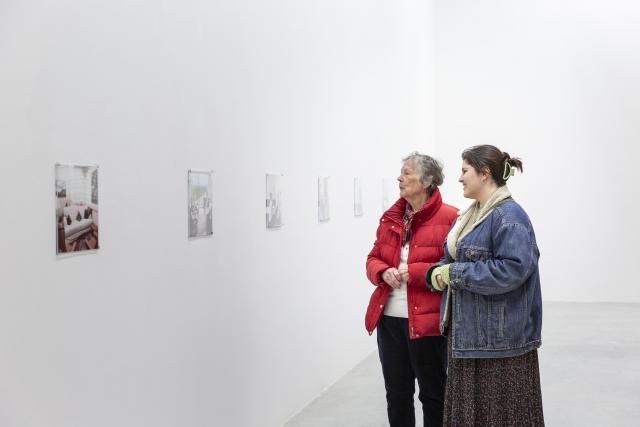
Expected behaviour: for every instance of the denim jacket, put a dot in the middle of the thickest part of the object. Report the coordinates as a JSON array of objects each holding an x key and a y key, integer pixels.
[{"x": 494, "y": 288}]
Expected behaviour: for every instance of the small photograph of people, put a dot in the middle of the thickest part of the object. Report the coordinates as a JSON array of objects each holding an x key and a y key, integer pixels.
[
  {"x": 200, "y": 206},
  {"x": 358, "y": 209},
  {"x": 273, "y": 200},
  {"x": 324, "y": 213}
]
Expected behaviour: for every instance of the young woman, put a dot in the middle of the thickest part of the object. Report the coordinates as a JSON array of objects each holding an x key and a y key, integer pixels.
[{"x": 492, "y": 312}]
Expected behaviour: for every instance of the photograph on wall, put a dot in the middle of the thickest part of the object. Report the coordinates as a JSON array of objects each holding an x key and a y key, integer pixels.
[
  {"x": 200, "y": 204},
  {"x": 76, "y": 194},
  {"x": 386, "y": 203},
  {"x": 357, "y": 197},
  {"x": 323, "y": 199},
  {"x": 274, "y": 201}
]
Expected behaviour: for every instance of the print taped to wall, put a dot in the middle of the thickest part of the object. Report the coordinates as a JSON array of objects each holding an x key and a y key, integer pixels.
[
  {"x": 386, "y": 204},
  {"x": 76, "y": 192},
  {"x": 324, "y": 213},
  {"x": 273, "y": 200},
  {"x": 357, "y": 197},
  {"x": 200, "y": 204}
]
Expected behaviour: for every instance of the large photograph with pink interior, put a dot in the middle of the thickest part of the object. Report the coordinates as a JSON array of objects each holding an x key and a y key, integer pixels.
[{"x": 76, "y": 208}]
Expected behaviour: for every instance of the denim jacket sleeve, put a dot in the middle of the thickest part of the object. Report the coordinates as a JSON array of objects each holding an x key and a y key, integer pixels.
[{"x": 514, "y": 259}]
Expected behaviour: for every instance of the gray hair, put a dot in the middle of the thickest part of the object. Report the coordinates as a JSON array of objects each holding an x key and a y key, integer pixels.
[{"x": 426, "y": 167}]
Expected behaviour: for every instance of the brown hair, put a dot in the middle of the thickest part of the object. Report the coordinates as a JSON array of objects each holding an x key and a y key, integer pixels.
[{"x": 490, "y": 159}]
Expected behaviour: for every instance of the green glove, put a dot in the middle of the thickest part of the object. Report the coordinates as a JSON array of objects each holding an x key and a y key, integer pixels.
[{"x": 443, "y": 271}]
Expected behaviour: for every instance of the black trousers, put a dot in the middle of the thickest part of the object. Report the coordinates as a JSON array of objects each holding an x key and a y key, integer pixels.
[{"x": 403, "y": 361}]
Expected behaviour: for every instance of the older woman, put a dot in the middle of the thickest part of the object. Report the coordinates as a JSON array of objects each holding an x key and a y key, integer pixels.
[
  {"x": 493, "y": 309},
  {"x": 408, "y": 242}
]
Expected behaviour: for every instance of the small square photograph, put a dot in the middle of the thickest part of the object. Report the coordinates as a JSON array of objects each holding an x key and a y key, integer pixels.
[
  {"x": 274, "y": 200},
  {"x": 324, "y": 214},
  {"x": 200, "y": 204},
  {"x": 76, "y": 206},
  {"x": 357, "y": 197},
  {"x": 386, "y": 200}
]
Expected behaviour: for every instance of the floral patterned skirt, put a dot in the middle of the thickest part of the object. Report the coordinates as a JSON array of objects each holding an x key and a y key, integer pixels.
[{"x": 494, "y": 392}]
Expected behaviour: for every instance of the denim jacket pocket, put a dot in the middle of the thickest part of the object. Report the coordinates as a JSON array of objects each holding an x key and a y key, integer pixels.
[
  {"x": 507, "y": 319},
  {"x": 476, "y": 253}
]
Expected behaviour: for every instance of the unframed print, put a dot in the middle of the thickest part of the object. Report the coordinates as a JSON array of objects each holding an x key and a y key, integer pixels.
[
  {"x": 200, "y": 204},
  {"x": 273, "y": 200},
  {"x": 76, "y": 192},
  {"x": 385, "y": 196},
  {"x": 357, "y": 197},
  {"x": 323, "y": 199}
]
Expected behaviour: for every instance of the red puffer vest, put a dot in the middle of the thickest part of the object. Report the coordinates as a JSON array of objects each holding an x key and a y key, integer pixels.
[{"x": 429, "y": 230}]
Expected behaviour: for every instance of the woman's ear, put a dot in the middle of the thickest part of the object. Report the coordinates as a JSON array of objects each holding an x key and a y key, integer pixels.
[
  {"x": 428, "y": 183},
  {"x": 485, "y": 174}
]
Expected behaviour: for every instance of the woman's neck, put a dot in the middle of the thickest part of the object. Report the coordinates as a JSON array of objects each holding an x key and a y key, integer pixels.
[
  {"x": 418, "y": 202},
  {"x": 486, "y": 194}
]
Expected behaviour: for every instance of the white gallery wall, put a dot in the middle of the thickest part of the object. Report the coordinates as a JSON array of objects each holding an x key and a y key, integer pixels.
[
  {"x": 246, "y": 327},
  {"x": 555, "y": 82}
]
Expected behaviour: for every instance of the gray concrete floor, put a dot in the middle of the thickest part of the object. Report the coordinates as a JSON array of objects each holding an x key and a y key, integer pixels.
[{"x": 589, "y": 363}]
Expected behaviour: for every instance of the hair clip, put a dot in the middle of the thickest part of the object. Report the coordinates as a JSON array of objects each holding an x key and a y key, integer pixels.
[{"x": 509, "y": 171}]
